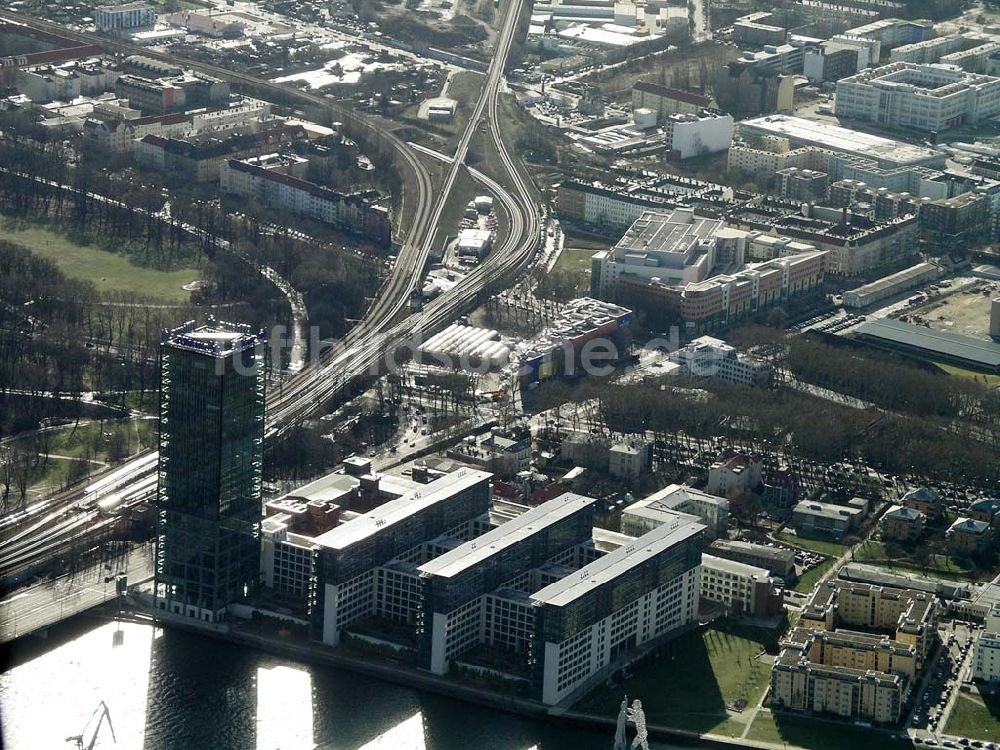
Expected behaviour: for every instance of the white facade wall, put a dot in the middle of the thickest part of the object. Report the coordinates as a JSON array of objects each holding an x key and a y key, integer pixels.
[
  {"x": 691, "y": 136},
  {"x": 731, "y": 583},
  {"x": 569, "y": 664},
  {"x": 986, "y": 657},
  {"x": 123, "y": 17}
]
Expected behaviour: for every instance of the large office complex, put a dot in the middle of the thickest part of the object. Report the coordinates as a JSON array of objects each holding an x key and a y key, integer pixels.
[
  {"x": 666, "y": 261},
  {"x": 212, "y": 384},
  {"x": 590, "y": 619},
  {"x": 537, "y": 596},
  {"x": 675, "y": 247},
  {"x": 926, "y": 97},
  {"x": 463, "y": 591},
  {"x": 367, "y": 566},
  {"x": 800, "y": 132}
]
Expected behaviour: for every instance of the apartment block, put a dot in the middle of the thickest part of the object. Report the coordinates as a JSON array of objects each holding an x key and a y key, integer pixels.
[
  {"x": 354, "y": 212},
  {"x": 734, "y": 474},
  {"x": 697, "y": 134},
  {"x": 909, "y": 615}
]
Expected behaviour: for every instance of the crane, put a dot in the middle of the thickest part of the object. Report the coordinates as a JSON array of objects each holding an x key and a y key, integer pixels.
[{"x": 102, "y": 709}]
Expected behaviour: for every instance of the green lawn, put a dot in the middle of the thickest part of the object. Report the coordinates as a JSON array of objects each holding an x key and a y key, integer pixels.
[
  {"x": 811, "y": 577},
  {"x": 692, "y": 682},
  {"x": 942, "y": 566},
  {"x": 96, "y": 440},
  {"x": 870, "y": 551},
  {"x": 574, "y": 259},
  {"x": 816, "y": 545},
  {"x": 976, "y": 717},
  {"x": 105, "y": 269},
  {"x": 971, "y": 374},
  {"x": 795, "y": 731}
]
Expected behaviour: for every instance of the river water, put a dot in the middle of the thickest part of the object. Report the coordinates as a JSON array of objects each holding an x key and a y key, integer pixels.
[{"x": 168, "y": 689}]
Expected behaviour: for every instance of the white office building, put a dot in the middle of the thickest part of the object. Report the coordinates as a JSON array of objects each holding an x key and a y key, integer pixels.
[
  {"x": 708, "y": 357},
  {"x": 926, "y": 97},
  {"x": 739, "y": 587},
  {"x": 592, "y": 619},
  {"x": 366, "y": 563},
  {"x": 663, "y": 506},
  {"x": 128, "y": 17}
]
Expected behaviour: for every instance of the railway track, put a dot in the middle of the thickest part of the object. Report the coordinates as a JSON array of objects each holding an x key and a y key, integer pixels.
[{"x": 381, "y": 330}]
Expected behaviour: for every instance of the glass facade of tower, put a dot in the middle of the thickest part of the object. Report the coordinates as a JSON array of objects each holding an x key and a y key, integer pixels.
[{"x": 212, "y": 387}]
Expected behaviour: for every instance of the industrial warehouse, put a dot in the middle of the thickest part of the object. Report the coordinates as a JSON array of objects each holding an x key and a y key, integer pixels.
[{"x": 936, "y": 346}]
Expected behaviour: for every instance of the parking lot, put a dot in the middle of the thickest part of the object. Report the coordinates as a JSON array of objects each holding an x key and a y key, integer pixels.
[{"x": 933, "y": 705}]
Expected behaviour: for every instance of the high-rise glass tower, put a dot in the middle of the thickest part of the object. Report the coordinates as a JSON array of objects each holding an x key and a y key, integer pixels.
[{"x": 212, "y": 385}]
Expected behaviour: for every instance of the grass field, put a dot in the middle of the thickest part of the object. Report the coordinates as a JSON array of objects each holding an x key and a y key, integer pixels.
[
  {"x": 574, "y": 259},
  {"x": 693, "y": 681},
  {"x": 937, "y": 565},
  {"x": 809, "y": 579},
  {"x": 816, "y": 545},
  {"x": 105, "y": 269},
  {"x": 971, "y": 374},
  {"x": 976, "y": 717},
  {"x": 818, "y": 735}
]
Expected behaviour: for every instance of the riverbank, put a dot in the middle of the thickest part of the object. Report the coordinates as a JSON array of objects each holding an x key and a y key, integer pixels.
[{"x": 311, "y": 652}]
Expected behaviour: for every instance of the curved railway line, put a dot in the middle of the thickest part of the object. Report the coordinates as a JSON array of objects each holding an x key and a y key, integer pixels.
[{"x": 52, "y": 526}]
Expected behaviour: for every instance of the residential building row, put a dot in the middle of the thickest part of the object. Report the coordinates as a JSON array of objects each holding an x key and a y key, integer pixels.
[
  {"x": 827, "y": 667},
  {"x": 276, "y": 189}
]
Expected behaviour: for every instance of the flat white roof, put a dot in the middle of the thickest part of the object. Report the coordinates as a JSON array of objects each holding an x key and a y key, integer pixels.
[
  {"x": 844, "y": 140},
  {"x": 732, "y": 566},
  {"x": 671, "y": 496},
  {"x": 506, "y": 535},
  {"x": 394, "y": 511},
  {"x": 615, "y": 564}
]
